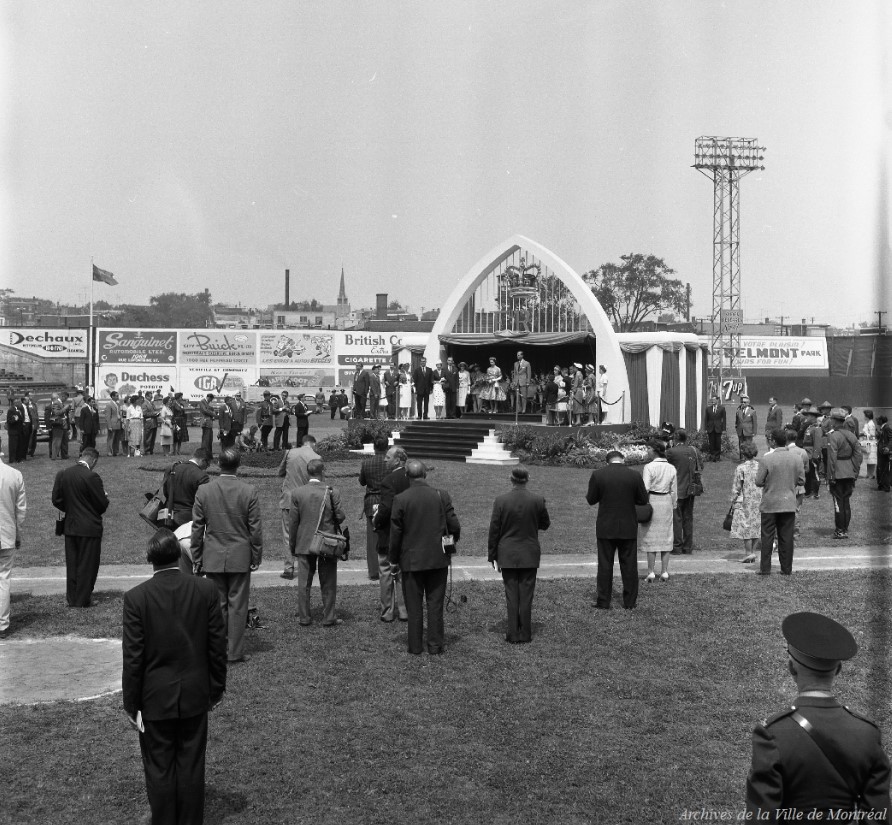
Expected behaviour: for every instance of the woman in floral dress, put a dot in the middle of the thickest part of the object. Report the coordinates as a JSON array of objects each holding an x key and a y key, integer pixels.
[
  {"x": 464, "y": 385},
  {"x": 134, "y": 426},
  {"x": 746, "y": 498},
  {"x": 590, "y": 390},
  {"x": 492, "y": 391}
]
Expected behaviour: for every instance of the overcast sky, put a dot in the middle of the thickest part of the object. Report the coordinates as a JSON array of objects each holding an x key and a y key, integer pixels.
[{"x": 186, "y": 145}]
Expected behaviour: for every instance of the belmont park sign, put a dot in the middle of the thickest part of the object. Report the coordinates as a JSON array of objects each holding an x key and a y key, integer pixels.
[
  {"x": 46, "y": 343},
  {"x": 778, "y": 352}
]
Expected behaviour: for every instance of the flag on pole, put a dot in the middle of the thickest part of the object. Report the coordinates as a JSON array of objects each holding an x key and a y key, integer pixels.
[{"x": 102, "y": 275}]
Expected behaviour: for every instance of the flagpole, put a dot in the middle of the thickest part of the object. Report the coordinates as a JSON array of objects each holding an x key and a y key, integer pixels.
[{"x": 90, "y": 335}]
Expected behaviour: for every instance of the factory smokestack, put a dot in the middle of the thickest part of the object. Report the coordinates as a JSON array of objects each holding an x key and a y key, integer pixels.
[{"x": 287, "y": 287}]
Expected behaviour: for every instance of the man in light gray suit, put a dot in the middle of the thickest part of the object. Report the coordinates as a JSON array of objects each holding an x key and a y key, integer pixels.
[
  {"x": 294, "y": 470},
  {"x": 114, "y": 424},
  {"x": 227, "y": 543},
  {"x": 315, "y": 504},
  {"x": 780, "y": 473},
  {"x": 523, "y": 376}
]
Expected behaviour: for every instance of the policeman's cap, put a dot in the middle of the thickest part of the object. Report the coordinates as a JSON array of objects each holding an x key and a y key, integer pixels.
[
  {"x": 806, "y": 402},
  {"x": 825, "y": 406},
  {"x": 838, "y": 413},
  {"x": 818, "y": 642}
]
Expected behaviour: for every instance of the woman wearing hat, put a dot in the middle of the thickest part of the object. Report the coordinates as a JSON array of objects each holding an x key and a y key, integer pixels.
[
  {"x": 577, "y": 394},
  {"x": 492, "y": 391},
  {"x": 590, "y": 395}
]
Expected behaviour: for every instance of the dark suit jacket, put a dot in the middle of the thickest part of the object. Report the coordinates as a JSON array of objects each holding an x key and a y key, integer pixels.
[
  {"x": 391, "y": 379},
  {"x": 616, "y": 489},
  {"x": 714, "y": 422},
  {"x": 451, "y": 384},
  {"x": 233, "y": 541},
  {"x": 15, "y": 417},
  {"x": 185, "y": 479},
  {"x": 361, "y": 383},
  {"x": 517, "y": 518},
  {"x": 174, "y": 647},
  {"x": 423, "y": 379},
  {"x": 391, "y": 485},
  {"x": 78, "y": 492},
  {"x": 416, "y": 527},
  {"x": 685, "y": 459},
  {"x": 774, "y": 419}
]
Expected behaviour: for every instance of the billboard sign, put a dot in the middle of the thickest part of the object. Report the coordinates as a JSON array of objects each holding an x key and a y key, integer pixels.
[
  {"x": 291, "y": 347},
  {"x": 196, "y": 382},
  {"x": 136, "y": 346},
  {"x": 46, "y": 342},
  {"x": 128, "y": 380},
  {"x": 779, "y": 353},
  {"x": 213, "y": 346}
]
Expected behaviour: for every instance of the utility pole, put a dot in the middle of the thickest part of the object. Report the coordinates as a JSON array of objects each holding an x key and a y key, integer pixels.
[
  {"x": 880, "y": 314},
  {"x": 687, "y": 313}
]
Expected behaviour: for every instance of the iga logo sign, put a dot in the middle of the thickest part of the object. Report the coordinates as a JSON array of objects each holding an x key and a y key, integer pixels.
[{"x": 207, "y": 383}]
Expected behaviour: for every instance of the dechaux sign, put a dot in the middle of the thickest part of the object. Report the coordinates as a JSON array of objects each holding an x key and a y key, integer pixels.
[{"x": 46, "y": 342}]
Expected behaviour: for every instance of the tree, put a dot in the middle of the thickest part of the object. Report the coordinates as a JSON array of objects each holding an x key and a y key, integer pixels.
[
  {"x": 395, "y": 306},
  {"x": 637, "y": 287},
  {"x": 170, "y": 310}
]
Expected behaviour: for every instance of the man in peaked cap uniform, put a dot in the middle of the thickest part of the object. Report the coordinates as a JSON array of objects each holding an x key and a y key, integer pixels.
[{"x": 817, "y": 756}]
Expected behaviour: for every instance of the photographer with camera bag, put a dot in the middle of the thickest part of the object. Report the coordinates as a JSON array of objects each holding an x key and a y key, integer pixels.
[
  {"x": 423, "y": 532},
  {"x": 316, "y": 519}
]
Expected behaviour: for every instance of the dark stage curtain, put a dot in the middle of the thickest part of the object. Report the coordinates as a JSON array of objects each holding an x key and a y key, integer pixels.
[
  {"x": 670, "y": 396},
  {"x": 690, "y": 407},
  {"x": 636, "y": 367}
]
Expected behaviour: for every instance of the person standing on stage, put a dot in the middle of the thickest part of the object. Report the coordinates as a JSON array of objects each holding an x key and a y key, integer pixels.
[
  {"x": 517, "y": 517},
  {"x": 423, "y": 381},
  {"x": 174, "y": 650},
  {"x": 521, "y": 378},
  {"x": 79, "y": 494}
]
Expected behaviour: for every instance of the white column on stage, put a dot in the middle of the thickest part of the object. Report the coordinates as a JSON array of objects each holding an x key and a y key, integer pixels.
[
  {"x": 682, "y": 386},
  {"x": 654, "y": 361},
  {"x": 90, "y": 380}
]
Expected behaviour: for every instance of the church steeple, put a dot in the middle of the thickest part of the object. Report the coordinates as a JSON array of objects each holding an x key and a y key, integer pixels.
[{"x": 343, "y": 305}]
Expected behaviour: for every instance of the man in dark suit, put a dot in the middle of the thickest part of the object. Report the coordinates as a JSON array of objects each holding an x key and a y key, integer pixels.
[
  {"x": 239, "y": 413},
  {"x": 302, "y": 414},
  {"x": 423, "y": 381},
  {"x": 31, "y": 423},
  {"x": 617, "y": 490},
  {"x": 266, "y": 417},
  {"x": 183, "y": 483},
  {"x": 224, "y": 423},
  {"x": 15, "y": 420},
  {"x": 423, "y": 532},
  {"x": 391, "y": 381},
  {"x": 208, "y": 415},
  {"x": 89, "y": 423},
  {"x": 371, "y": 474},
  {"x": 315, "y": 503},
  {"x": 745, "y": 422},
  {"x": 774, "y": 419},
  {"x": 517, "y": 518},
  {"x": 78, "y": 492},
  {"x": 174, "y": 672},
  {"x": 844, "y": 768},
  {"x": 282, "y": 421},
  {"x": 393, "y": 605},
  {"x": 450, "y": 387},
  {"x": 361, "y": 383},
  {"x": 686, "y": 460},
  {"x": 714, "y": 422},
  {"x": 227, "y": 543}
]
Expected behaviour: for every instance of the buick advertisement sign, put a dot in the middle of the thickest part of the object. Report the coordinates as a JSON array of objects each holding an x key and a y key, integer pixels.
[
  {"x": 137, "y": 346},
  {"x": 46, "y": 343}
]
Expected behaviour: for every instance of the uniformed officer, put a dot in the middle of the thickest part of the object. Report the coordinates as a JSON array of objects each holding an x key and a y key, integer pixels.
[{"x": 817, "y": 756}]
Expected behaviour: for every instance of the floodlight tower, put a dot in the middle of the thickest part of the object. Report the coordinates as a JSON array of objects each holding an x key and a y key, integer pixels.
[{"x": 726, "y": 160}]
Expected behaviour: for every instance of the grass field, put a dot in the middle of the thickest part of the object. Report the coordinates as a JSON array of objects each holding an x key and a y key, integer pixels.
[
  {"x": 607, "y": 717},
  {"x": 472, "y": 487}
]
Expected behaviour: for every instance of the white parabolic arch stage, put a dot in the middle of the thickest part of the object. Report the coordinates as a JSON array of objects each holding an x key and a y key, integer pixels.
[{"x": 608, "y": 349}]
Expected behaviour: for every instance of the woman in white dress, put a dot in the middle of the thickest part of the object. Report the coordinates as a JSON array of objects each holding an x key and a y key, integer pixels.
[
  {"x": 492, "y": 392},
  {"x": 404, "y": 392},
  {"x": 869, "y": 443},
  {"x": 656, "y": 536},
  {"x": 165, "y": 426},
  {"x": 438, "y": 394},
  {"x": 464, "y": 385},
  {"x": 134, "y": 425}
]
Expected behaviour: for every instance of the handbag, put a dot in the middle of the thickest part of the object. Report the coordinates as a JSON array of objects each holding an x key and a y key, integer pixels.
[
  {"x": 156, "y": 502},
  {"x": 729, "y": 518},
  {"x": 325, "y": 544},
  {"x": 60, "y": 523},
  {"x": 448, "y": 540},
  {"x": 644, "y": 512},
  {"x": 696, "y": 485}
]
